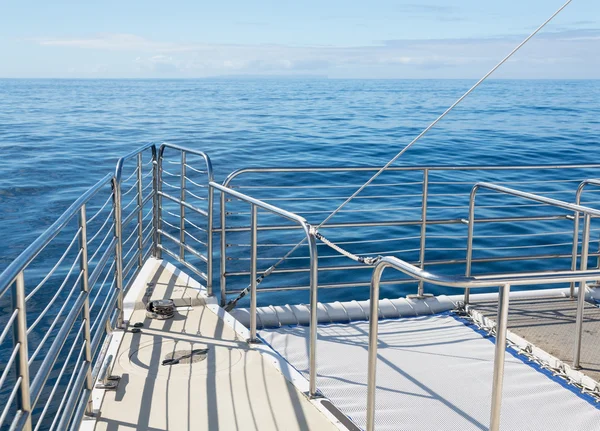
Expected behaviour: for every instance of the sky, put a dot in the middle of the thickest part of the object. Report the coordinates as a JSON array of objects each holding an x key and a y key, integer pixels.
[{"x": 328, "y": 38}]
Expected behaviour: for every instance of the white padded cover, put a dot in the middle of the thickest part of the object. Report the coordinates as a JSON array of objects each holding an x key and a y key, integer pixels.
[{"x": 434, "y": 373}]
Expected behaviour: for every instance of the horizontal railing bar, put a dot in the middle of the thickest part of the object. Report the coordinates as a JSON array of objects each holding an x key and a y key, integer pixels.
[
  {"x": 8, "y": 365},
  {"x": 51, "y": 302},
  {"x": 188, "y": 192},
  {"x": 516, "y": 247},
  {"x": 130, "y": 176},
  {"x": 479, "y": 281},
  {"x": 68, "y": 389},
  {"x": 56, "y": 265},
  {"x": 109, "y": 217},
  {"x": 328, "y": 256},
  {"x": 163, "y": 221},
  {"x": 333, "y": 186},
  {"x": 133, "y": 213},
  {"x": 48, "y": 331},
  {"x": 409, "y": 168},
  {"x": 187, "y": 247},
  {"x": 260, "y": 204},
  {"x": 58, "y": 379},
  {"x": 149, "y": 213},
  {"x": 145, "y": 240},
  {"x": 109, "y": 234},
  {"x": 398, "y": 223},
  {"x": 408, "y": 195},
  {"x": 172, "y": 214},
  {"x": 7, "y": 325},
  {"x": 185, "y": 204},
  {"x": 132, "y": 201},
  {"x": 170, "y": 185},
  {"x": 183, "y": 262},
  {"x": 102, "y": 262},
  {"x": 202, "y": 186},
  {"x": 530, "y": 196},
  {"x": 101, "y": 318},
  {"x": 196, "y": 239},
  {"x": 74, "y": 395},
  {"x": 148, "y": 253},
  {"x": 164, "y": 171},
  {"x": 188, "y": 221},
  {"x": 149, "y": 185},
  {"x": 10, "y": 400},
  {"x": 195, "y": 170},
  {"x": 17, "y": 265},
  {"x": 428, "y": 263},
  {"x": 133, "y": 187},
  {"x": 148, "y": 226},
  {"x": 108, "y": 274},
  {"x": 97, "y": 213},
  {"x": 126, "y": 240},
  {"x": 326, "y": 286},
  {"x": 57, "y": 344},
  {"x": 128, "y": 267}
]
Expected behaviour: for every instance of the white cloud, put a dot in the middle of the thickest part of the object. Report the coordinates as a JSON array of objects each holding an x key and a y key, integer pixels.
[{"x": 570, "y": 51}]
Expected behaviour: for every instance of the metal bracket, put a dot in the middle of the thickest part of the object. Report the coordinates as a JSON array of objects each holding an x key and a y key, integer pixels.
[{"x": 109, "y": 383}]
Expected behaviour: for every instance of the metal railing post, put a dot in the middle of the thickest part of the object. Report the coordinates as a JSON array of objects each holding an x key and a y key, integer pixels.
[
  {"x": 574, "y": 251},
  {"x": 140, "y": 190},
  {"x": 500, "y": 351},
  {"x": 423, "y": 228},
  {"x": 157, "y": 174},
  {"x": 585, "y": 243},
  {"x": 118, "y": 251},
  {"x": 182, "y": 210},
  {"x": 253, "y": 249},
  {"x": 372, "y": 353},
  {"x": 209, "y": 241},
  {"x": 470, "y": 229},
  {"x": 22, "y": 359},
  {"x": 223, "y": 263},
  {"x": 83, "y": 266},
  {"x": 314, "y": 286}
]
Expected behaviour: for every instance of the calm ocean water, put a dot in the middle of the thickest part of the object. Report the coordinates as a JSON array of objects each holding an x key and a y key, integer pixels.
[{"x": 59, "y": 136}]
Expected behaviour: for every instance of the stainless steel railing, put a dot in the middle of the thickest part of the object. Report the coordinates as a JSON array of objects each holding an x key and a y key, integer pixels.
[
  {"x": 468, "y": 282},
  {"x": 67, "y": 294},
  {"x": 185, "y": 207},
  {"x": 255, "y": 204},
  {"x": 417, "y": 213}
]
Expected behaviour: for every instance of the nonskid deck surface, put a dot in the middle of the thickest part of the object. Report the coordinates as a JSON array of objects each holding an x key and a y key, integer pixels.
[
  {"x": 233, "y": 387},
  {"x": 549, "y": 323},
  {"x": 434, "y": 373}
]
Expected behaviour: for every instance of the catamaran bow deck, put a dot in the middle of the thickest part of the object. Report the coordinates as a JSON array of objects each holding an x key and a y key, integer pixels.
[{"x": 92, "y": 357}]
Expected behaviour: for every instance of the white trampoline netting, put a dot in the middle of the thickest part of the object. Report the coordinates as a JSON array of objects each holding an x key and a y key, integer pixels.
[{"x": 433, "y": 373}]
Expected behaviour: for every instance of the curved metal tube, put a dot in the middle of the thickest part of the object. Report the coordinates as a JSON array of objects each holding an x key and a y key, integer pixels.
[
  {"x": 210, "y": 178},
  {"x": 25, "y": 258}
]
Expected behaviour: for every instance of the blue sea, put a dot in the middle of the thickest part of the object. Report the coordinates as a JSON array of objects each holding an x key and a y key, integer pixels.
[{"x": 59, "y": 136}]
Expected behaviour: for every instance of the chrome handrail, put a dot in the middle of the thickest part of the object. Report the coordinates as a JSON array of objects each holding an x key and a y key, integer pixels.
[
  {"x": 429, "y": 204},
  {"x": 576, "y": 216},
  {"x": 460, "y": 282},
  {"x": 468, "y": 281},
  {"x": 314, "y": 271},
  {"x": 181, "y": 201}
]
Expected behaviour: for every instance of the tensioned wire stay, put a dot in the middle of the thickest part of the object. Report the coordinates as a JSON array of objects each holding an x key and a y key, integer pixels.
[{"x": 231, "y": 304}]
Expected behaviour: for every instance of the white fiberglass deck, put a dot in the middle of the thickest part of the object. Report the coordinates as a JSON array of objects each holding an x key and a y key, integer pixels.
[
  {"x": 235, "y": 387},
  {"x": 434, "y": 373}
]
